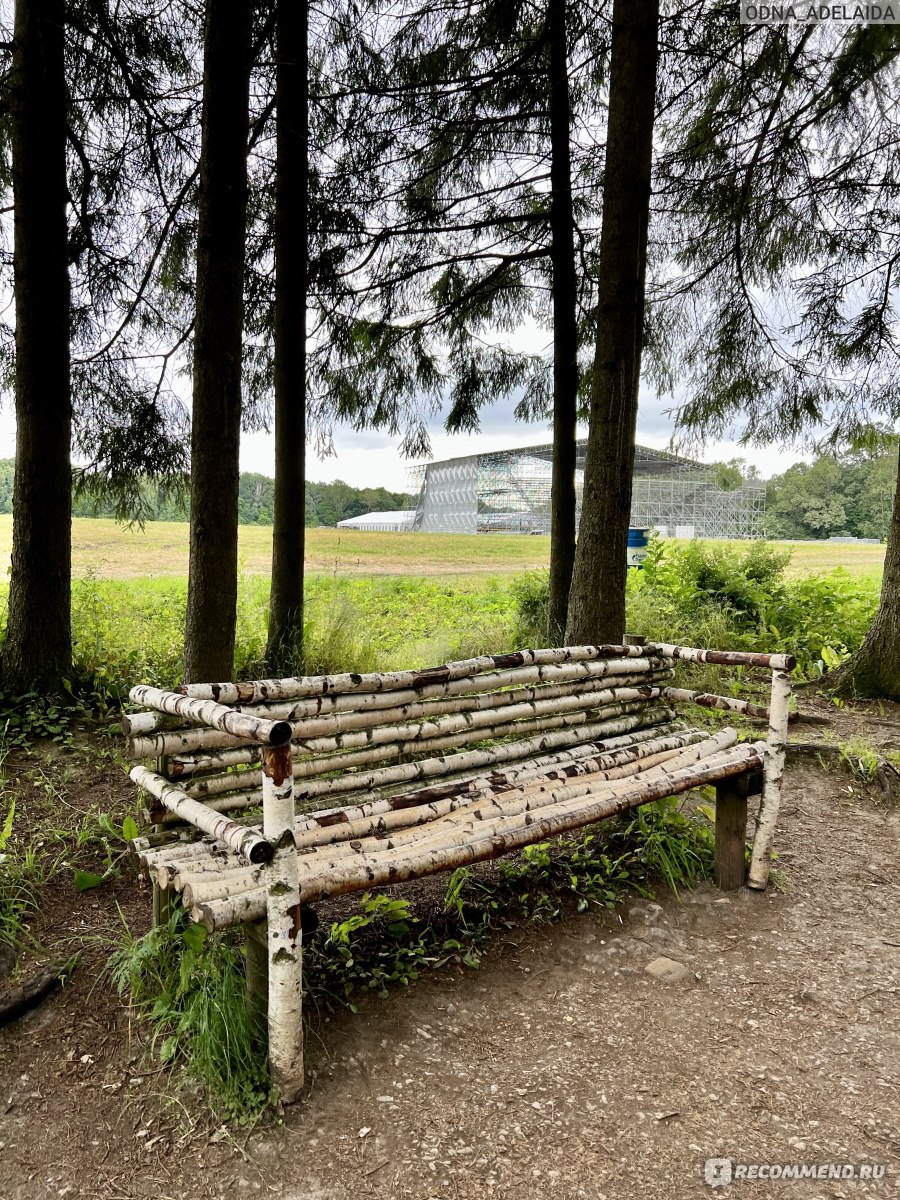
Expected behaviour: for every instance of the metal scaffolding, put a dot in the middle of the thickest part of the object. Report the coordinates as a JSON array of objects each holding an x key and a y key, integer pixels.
[{"x": 509, "y": 492}]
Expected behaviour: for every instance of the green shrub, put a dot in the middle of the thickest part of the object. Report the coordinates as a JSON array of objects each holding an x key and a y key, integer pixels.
[
  {"x": 192, "y": 988},
  {"x": 729, "y": 598}
]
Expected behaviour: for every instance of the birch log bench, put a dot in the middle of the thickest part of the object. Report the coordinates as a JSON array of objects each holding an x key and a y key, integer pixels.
[{"x": 269, "y": 795}]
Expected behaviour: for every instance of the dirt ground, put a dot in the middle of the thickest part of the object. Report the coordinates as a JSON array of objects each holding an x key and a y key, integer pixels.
[{"x": 560, "y": 1069}]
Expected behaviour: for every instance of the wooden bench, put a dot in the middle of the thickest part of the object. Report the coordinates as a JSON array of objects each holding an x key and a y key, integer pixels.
[{"x": 269, "y": 795}]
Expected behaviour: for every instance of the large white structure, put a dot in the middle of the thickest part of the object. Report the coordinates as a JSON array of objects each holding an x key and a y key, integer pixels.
[
  {"x": 381, "y": 522},
  {"x": 509, "y": 491}
]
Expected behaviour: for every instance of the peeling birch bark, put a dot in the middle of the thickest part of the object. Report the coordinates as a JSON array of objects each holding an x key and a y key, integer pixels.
[
  {"x": 283, "y": 926},
  {"x": 779, "y": 710}
]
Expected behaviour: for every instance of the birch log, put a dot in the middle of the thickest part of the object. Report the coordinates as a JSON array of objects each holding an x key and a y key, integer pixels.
[
  {"x": 325, "y": 825},
  {"x": 179, "y": 741},
  {"x": 216, "y": 716},
  {"x": 283, "y": 926},
  {"x": 251, "y": 905},
  {"x": 497, "y": 816},
  {"x": 711, "y": 700},
  {"x": 262, "y": 690},
  {"x": 505, "y": 810},
  {"x": 350, "y": 760},
  {"x": 728, "y": 658},
  {"x": 628, "y": 669},
  {"x": 489, "y": 722},
  {"x": 501, "y": 812},
  {"x": 238, "y": 838},
  {"x": 779, "y": 709},
  {"x": 612, "y": 720}
]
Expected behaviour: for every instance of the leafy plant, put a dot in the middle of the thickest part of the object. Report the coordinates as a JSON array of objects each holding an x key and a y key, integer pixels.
[
  {"x": 23, "y": 871},
  {"x": 192, "y": 987}
]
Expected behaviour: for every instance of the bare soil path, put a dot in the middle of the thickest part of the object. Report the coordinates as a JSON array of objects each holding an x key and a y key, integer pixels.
[{"x": 560, "y": 1069}]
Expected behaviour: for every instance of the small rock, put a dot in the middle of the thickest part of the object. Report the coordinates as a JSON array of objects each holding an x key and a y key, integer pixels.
[
  {"x": 646, "y": 912},
  {"x": 667, "y": 970}
]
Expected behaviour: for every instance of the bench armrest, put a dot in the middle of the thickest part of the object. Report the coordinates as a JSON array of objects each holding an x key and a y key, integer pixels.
[{"x": 208, "y": 714}]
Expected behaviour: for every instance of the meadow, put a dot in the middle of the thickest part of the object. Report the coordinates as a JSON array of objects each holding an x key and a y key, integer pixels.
[
  {"x": 382, "y": 600},
  {"x": 110, "y": 551}
]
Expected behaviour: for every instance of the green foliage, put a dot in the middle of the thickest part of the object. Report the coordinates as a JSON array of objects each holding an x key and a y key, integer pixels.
[
  {"x": 23, "y": 871},
  {"x": 30, "y": 717},
  {"x": 326, "y": 503},
  {"x": 729, "y": 597},
  {"x": 192, "y": 988},
  {"x": 662, "y": 842},
  {"x": 397, "y": 949},
  {"x": 531, "y": 592},
  {"x": 834, "y": 496},
  {"x": 714, "y": 594}
]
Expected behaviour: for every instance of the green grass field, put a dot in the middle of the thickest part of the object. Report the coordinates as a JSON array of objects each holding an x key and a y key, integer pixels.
[
  {"x": 109, "y": 551},
  {"x": 388, "y": 600}
]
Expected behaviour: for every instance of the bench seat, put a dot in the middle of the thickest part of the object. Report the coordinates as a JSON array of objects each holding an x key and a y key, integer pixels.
[{"x": 423, "y": 771}]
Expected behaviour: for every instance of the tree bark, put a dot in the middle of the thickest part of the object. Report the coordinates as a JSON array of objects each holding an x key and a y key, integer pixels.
[
  {"x": 597, "y": 598},
  {"x": 285, "y": 639},
  {"x": 874, "y": 670},
  {"x": 565, "y": 329},
  {"x": 37, "y": 653},
  {"x": 218, "y": 335}
]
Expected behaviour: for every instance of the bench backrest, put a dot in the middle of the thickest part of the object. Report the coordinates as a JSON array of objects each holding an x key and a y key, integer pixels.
[{"x": 353, "y": 733}]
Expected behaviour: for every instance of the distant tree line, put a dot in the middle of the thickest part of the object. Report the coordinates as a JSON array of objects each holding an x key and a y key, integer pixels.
[
  {"x": 833, "y": 497},
  {"x": 326, "y": 503},
  {"x": 847, "y": 495}
]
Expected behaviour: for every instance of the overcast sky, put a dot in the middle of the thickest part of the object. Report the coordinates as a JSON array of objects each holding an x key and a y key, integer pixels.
[{"x": 372, "y": 459}]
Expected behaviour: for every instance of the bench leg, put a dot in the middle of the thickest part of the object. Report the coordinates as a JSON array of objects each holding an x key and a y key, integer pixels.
[
  {"x": 731, "y": 833},
  {"x": 257, "y": 971},
  {"x": 284, "y": 939},
  {"x": 162, "y": 905}
]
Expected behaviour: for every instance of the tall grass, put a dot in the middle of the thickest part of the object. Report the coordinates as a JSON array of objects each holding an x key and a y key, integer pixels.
[{"x": 708, "y": 594}]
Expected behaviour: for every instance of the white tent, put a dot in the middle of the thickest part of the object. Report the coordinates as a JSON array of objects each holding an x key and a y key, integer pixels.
[{"x": 381, "y": 522}]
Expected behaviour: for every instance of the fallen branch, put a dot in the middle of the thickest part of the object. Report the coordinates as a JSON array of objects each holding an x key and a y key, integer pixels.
[{"x": 22, "y": 999}]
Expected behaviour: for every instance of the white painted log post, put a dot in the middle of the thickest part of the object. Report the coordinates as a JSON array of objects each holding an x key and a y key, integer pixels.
[
  {"x": 779, "y": 709},
  {"x": 283, "y": 917}
]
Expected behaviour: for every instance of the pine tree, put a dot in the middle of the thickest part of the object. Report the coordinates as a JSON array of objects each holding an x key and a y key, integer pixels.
[{"x": 218, "y": 343}]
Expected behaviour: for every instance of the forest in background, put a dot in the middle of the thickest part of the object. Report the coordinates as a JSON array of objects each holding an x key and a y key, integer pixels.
[
  {"x": 833, "y": 496},
  {"x": 326, "y": 503}
]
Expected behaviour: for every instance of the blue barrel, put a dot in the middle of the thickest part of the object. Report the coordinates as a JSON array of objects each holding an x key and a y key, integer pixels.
[{"x": 637, "y": 546}]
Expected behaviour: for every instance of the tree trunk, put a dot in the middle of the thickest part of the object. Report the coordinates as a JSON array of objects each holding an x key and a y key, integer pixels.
[
  {"x": 565, "y": 329},
  {"x": 218, "y": 334},
  {"x": 291, "y": 206},
  {"x": 874, "y": 670},
  {"x": 37, "y": 653},
  {"x": 597, "y": 599}
]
